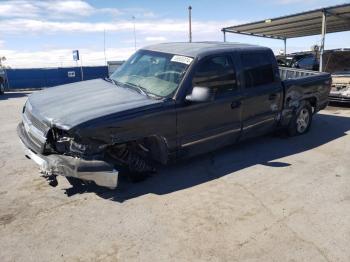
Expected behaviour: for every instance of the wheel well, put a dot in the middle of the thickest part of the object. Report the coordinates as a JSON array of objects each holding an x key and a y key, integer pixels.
[
  {"x": 313, "y": 103},
  {"x": 153, "y": 148},
  {"x": 157, "y": 147}
]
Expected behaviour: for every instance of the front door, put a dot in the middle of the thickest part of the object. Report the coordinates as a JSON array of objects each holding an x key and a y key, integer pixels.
[{"x": 203, "y": 127}]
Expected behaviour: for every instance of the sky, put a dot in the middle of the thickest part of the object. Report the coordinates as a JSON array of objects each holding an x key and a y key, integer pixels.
[{"x": 35, "y": 33}]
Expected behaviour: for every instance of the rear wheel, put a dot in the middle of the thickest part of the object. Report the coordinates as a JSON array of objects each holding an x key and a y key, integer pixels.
[{"x": 301, "y": 121}]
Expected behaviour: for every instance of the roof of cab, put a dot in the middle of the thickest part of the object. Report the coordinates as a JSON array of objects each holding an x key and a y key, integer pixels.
[{"x": 195, "y": 49}]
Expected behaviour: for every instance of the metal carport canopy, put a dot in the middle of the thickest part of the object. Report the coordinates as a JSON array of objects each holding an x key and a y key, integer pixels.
[{"x": 320, "y": 21}]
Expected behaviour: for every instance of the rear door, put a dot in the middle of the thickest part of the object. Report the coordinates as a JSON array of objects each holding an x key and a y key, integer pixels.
[
  {"x": 262, "y": 95},
  {"x": 206, "y": 126}
]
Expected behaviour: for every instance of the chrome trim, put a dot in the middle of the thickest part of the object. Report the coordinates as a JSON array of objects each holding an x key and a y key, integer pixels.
[
  {"x": 34, "y": 120},
  {"x": 29, "y": 153},
  {"x": 261, "y": 122},
  {"x": 211, "y": 137},
  {"x": 102, "y": 173},
  {"x": 33, "y": 131}
]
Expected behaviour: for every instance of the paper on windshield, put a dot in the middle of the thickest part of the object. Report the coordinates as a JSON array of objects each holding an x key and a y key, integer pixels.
[{"x": 181, "y": 59}]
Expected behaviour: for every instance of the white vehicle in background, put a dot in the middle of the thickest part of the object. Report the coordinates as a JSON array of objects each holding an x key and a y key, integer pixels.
[
  {"x": 340, "y": 91},
  {"x": 338, "y": 64}
]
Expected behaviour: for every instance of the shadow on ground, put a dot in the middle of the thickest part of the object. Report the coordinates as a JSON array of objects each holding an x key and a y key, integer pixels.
[
  {"x": 195, "y": 171},
  {"x": 10, "y": 95}
]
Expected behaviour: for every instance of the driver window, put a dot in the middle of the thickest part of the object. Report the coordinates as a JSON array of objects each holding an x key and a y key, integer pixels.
[{"x": 216, "y": 73}]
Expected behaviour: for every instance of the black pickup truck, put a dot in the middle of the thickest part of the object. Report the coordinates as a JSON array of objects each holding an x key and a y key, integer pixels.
[{"x": 166, "y": 102}]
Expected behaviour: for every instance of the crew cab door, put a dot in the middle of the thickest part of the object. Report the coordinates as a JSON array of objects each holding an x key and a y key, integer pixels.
[
  {"x": 205, "y": 126},
  {"x": 262, "y": 96}
]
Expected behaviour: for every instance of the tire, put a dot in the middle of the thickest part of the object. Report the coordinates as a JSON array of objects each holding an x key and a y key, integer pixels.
[
  {"x": 301, "y": 121},
  {"x": 2, "y": 89}
]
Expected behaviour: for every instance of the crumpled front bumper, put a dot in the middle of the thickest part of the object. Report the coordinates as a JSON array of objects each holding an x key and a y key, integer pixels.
[{"x": 100, "y": 172}]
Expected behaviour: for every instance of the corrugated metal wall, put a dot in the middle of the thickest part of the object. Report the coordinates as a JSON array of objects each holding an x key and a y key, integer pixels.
[{"x": 47, "y": 77}]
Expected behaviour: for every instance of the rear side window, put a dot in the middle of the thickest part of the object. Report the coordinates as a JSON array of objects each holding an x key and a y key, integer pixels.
[
  {"x": 258, "y": 69},
  {"x": 216, "y": 73}
]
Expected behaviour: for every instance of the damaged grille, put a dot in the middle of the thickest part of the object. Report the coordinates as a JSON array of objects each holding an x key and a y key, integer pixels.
[
  {"x": 35, "y": 130},
  {"x": 35, "y": 122}
]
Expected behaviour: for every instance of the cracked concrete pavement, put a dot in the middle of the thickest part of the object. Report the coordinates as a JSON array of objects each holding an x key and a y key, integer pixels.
[{"x": 268, "y": 199}]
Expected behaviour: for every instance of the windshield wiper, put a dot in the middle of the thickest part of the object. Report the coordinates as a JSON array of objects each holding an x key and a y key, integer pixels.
[
  {"x": 108, "y": 79},
  {"x": 143, "y": 90},
  {"x": 113, "y": 81},
  {"x": 140, "y": 89}
]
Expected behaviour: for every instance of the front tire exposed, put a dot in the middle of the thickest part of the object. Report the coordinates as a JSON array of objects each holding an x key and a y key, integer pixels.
[
  {"x": 134, "y": 161},
  {"x": 301, "y": 120}
]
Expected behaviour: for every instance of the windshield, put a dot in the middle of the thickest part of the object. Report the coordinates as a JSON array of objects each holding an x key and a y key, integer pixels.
[{"x": 153, "y": 72}]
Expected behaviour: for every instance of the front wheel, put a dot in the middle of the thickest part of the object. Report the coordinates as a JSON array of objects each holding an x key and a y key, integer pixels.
[
  {"x": 2, "y": 89},
  {"x": 301, "y": 121}
]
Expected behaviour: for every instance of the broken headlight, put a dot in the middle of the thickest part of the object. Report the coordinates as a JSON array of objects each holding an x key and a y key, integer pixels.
[{"x": 65, "y": 143}]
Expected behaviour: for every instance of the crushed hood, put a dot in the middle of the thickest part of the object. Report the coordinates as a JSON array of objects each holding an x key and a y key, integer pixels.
[{"x": 68, "y": 105}]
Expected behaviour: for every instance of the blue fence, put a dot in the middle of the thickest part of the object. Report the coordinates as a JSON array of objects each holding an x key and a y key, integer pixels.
[{"x": 47, "y": 77}]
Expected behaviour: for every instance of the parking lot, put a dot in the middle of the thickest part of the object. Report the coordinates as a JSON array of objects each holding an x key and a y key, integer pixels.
[{"x": 269, "y": 199}]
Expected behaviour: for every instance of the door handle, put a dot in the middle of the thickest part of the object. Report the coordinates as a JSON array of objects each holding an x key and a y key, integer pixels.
[
  {"x": 235, "y": 104},
  {"x": 272, "y": 96}
]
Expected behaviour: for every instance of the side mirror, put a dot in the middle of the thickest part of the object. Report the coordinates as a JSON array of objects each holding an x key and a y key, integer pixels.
[{"x": 200, "y": 94}]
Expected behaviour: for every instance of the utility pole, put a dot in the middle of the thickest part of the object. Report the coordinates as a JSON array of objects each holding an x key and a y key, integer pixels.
[
  {"x": 81, "y": 69},
  {"x": 324, "y": 29},
  {"x": 104, "y": 45},
  {"x": 190, "y": 23},
  {"x": 133, "y": 19},
  {"x": 224, "y": 32}
]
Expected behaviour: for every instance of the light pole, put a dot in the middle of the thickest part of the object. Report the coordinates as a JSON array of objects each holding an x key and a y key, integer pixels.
[
  {"x": 104, "y": 45},
  {"x": 324, "y": 29},
  {"x": 133, "y": 20},
  {"x": 190, "y": 23}
]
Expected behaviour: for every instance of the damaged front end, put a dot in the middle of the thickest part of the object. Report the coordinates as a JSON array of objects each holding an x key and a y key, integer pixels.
[
  {"x": 57, "y": 153},
  {"x": 69, "y": 165}
]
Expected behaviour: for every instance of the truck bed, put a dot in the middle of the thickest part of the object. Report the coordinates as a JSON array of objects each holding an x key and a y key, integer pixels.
[
  {"x": 287, "y": 73},
  {"x": 302, "y": 77},
  {"x": 307, "y": 84}
]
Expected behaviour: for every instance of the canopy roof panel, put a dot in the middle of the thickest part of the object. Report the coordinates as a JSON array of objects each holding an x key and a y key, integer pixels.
[{"x": 298, "y": 25}]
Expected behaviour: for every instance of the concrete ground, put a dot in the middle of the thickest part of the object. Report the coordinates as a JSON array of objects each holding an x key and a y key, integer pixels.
[{"x": 269, "y": 199}]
